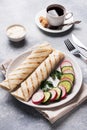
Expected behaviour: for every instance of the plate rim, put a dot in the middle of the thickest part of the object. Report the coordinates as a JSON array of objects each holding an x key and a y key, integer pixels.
[
  {"x": 49, "y": 30},
  {"x": 44, "y": 106}
]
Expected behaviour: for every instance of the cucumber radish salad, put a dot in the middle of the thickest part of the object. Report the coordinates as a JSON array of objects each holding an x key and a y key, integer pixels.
[{"x": 50, "y": 92}]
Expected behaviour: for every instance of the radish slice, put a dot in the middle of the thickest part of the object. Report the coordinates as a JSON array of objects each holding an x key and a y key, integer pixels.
[
  {"x": 54, "y": 95},
  {"x": 67, "y": 79},
  {"x": 69, "y": 71},
  {"x": 65, "y": 63},
  {"x": 64, "y": 94},
  {"x": 38, "y": 97}
]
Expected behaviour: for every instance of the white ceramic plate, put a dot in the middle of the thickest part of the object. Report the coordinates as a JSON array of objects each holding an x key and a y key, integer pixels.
[
  {"x": 75, "y": 90},
  {"x": 43, "y": 13}
]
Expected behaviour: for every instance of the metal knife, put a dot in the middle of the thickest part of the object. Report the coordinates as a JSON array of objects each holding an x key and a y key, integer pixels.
[{"x": 78, "y": 43}]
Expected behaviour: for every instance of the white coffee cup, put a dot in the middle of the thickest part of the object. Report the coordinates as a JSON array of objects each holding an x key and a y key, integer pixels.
[{"x": 56, "y": 14}]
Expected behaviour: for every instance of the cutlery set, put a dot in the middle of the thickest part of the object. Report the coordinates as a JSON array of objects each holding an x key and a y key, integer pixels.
[
  {"x": 71, "y": 23},
  {"x": 75, "y": 50},
  {"x": 78, "y": 43}
]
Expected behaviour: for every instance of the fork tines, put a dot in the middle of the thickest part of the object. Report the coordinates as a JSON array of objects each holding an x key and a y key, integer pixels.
[{"x": 69, "y": 45}]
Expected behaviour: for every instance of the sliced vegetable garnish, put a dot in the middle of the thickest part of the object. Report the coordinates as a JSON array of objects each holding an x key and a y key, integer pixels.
[
  {"x": 66, "y": 84},
  {"x": 59, "y": 92},
  {"x": 64, "y": 68},
  {"x": 48, "y": 92},
  {"x": 66, "y": 63},
  {"x": 53, "y": 95},
  {"x": 64, "y": 93},
  {"x": 47, "y": 96},
  {"x": 68, "y": 71},
  {"x": 68, "y": 77},
  {"x": 38, "y": 97}
]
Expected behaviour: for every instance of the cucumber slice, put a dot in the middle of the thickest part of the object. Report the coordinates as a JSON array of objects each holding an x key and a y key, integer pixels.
[
  {"x": 59, "y": 93},
  {"x": 64, "y": 68},
  {"x": 66, "y": 84},
  {"x": 47, "y": 96},
  {"x": 68, "y": 76}
]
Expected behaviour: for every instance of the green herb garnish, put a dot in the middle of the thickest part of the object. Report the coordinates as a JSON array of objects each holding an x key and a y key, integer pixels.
[
  {"x": 53, "y": 76},
  {"x": 56, "y": 74},
  {"x": 46, "y": 85}
]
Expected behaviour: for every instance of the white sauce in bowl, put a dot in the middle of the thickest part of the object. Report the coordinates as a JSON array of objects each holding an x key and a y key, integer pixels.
[{"x": 16, "y": 32}]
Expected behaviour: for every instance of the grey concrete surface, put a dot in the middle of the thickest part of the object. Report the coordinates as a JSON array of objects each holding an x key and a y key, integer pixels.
[{"x": 13, "y": 114}]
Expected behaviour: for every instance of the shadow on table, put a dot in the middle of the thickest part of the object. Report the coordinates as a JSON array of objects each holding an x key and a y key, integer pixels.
[
  {"x": 60, "y": 122},
  {"x": 32, "y": 113},
  {"x": 25, "y": 109},
  {"x": 62, "y": 33},
  {"x": 18, "y": 44}
]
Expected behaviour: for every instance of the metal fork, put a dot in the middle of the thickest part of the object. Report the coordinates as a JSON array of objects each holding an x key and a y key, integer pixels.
[{"x": 74, "y": 50}]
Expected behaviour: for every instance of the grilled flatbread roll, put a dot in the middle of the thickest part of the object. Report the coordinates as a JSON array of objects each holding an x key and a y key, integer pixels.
[
  {"x": 31, "y": 84},
  {"x": 19, "y": 74}
]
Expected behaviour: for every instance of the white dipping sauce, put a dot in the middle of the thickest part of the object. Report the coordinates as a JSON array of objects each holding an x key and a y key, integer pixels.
[{"x": 16, "y": 32}]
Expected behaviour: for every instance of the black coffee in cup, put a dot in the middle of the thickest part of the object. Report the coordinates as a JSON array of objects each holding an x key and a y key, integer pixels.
[{"x": 55, "y": 10}]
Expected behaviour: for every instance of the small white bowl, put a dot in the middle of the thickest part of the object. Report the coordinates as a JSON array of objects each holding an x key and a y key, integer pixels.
[{"x": 16, "y": 32}]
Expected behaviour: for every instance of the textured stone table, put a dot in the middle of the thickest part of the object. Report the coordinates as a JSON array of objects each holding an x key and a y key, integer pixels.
[{"x": 13, "y": 114}]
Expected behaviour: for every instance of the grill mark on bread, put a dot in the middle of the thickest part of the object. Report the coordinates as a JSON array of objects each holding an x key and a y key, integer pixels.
[
  {"x": 46, "y": 67},
  {"x": 32, "y": 83},
  {"x": 22, "y": 92},
  {"x": 23, "y": 73},
  {"x": 30, "y": 62},
  {"x": 27, "y": 68},
  {"x": 45, "y": 52},
  {"x": 57, "y": 62},
  {"x": 37, "y": 77},
  {"x": 50, "y": 63},
  {"x": 42, "y": 51},
  {"x": 42, "y": 73},
  {"x": 33, "y": 63},
  {"x": 16, "y": 79},
  {"x": 37, "y": 57},
  {"x": 24, "y": 69},
  {"x": 27, "y": 87},
  {"x": 54, "y": 58},
  {"x": 15, "y": 75}
]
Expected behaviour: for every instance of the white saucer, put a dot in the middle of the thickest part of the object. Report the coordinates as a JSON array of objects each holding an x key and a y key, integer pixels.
[{"x": 43, "y": 13}]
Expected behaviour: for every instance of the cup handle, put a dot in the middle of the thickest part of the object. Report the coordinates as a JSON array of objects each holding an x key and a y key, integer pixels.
[{"x": 68, "y": 15}]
